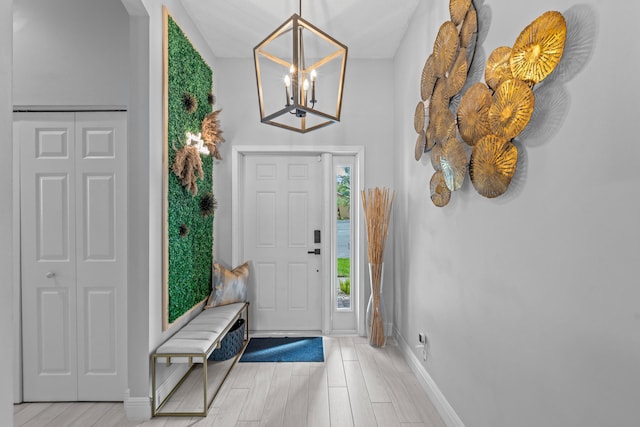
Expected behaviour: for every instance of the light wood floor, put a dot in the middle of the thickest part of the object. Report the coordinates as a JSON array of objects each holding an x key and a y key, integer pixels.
[{"x": 357, "y": 385}]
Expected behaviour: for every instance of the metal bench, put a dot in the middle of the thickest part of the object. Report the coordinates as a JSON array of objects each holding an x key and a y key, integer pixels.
[{"x": 193, "y": 344}]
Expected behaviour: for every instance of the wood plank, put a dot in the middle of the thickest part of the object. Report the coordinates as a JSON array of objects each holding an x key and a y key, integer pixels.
[
  {"x": 428, "y": 412},
  {"x": 372, "y": 373},
  {"x": 257, "y": 397},
  {"x": 248, "y": 424},
  {"x": 361, "y": 409},
  {"x": 397, "y": 359},
  {"x": 28, "y": 411},
  {"x": 339, "y": 407},
  {"x": 348, "y": 349},
  {"x": 335, "y": 369},
  {"x": 114, "y": 416},
  {"x": 45, "y": 417},
  {"x": 386, "y": 415},
  {"x": 318, "y": 410},
  {"x": 243, "y": 375},
  {"x": 295, "y": 414},
  {"x": 276, "y": 403},
  {"x": 301, "y": 368},
  {"x": 73, "y": 412},
  {"x": 93, "y": 413},
  {"x": 233, "y": 403},
  {"x": 401, "y": 399}
]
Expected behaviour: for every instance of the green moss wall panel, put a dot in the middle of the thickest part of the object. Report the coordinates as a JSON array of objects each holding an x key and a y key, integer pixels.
[{"x": 190, "y": 253}]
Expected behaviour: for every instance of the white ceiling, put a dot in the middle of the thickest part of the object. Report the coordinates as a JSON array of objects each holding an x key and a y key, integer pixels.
[{"x": 370, "y": 28}]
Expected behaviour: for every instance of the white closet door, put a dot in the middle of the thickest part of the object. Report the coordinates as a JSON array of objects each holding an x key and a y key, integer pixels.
[
  {"x": 101, "y": 195},
  {"x": 73, "y": 222},
  {"x": 47, "y": 142}
]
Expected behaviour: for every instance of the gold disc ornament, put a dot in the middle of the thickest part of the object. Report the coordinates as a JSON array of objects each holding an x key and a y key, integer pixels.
[
  {"x": 473, "y": 113},
  {"x": 453, "y": 161},
  {"x": 420, "y": 145},
  {"x": 435, "y": 157},
  {"x": 428, "y": 79},
  {"x": 493, "y": 164},
  {"x": 498, "y": 67},
  {"x": 458, "y": 10},
  {"x": 469, "y": 27},
  {"x": 539, "y": 47},
  {"x": 418, "y": 118},
  {"x": 445, "y": 125},
  {"x": 440, "y": 194},
  {"x": 439, "y": 100},
  {"x": 511, "y": 109},
  {"x": 445, "y": 47},
  {"x": 458, "y": 75}
]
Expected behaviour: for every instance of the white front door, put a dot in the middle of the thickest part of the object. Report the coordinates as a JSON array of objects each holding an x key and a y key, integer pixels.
[
  {"x": 73, "y": 252},
  {"x": 282, "y": 209}
]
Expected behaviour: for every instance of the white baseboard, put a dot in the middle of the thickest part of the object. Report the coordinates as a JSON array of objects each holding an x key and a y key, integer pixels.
[
  {"x": 440, "y": 402},
  {"x": 137, "y": 408}
]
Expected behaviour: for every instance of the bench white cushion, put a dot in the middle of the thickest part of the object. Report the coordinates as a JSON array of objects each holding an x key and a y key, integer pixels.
[{"x": 199, "y": 335}]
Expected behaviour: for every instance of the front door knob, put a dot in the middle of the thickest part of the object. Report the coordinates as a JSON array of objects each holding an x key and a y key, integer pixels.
[{"x": 315, "y": 251}]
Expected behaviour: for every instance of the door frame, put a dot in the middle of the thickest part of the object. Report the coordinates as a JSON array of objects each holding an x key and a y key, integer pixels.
[{"x": 238, "y": 153}]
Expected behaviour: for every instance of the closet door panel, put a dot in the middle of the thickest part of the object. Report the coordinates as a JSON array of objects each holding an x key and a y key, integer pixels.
[
  {"x": 101, "y": 254},
  {"x": 47, "y": 200}
]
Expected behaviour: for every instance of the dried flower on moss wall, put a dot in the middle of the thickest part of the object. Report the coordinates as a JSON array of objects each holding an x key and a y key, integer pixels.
[
  {"x": 208, "y": 204},
  {"x": 188, "y": 167},
  {"x": 189, "y": 102},
  {"x": 184, "y": 230},
  {"x": 212, "y": 134}
]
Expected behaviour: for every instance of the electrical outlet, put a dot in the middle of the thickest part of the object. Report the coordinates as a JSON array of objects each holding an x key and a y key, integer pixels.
[{"x": 422, "y": 338}]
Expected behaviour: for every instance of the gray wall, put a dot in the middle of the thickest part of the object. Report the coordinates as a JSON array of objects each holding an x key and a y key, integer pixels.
[
  {"x": 531, "y": 301},
  {"x": 6, "y": 217},
  {"x": 70, "y": 52}
]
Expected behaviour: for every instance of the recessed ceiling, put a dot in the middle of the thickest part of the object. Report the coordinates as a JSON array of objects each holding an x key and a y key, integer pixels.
[{"x": 370, "y": 28}]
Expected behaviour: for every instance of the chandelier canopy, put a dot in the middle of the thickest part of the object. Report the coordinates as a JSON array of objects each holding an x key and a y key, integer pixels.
[{"x": 300, "y": 73}]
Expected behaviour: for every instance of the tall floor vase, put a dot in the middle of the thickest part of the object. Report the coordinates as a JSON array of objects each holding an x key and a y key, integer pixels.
[{"x": 375, "y": 317}]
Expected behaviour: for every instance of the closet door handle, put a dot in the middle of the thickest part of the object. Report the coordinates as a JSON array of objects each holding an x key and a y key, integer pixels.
[{"x": 50, "y": 275}]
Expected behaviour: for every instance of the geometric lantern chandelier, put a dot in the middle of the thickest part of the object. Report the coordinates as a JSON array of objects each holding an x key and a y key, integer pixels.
[{"x": 300, "y": 75}]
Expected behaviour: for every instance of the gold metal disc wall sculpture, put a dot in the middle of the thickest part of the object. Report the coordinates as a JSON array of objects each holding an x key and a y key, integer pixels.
[
  {"x": 430, "y": 136},
  {"x": 493, "y": 164},
  {"x": 440, "y": 194},
  {"x": 488, "y": 116},
  {"x": 469, "y": 27},
  {"x": 428, "y": 79},
  {"x": 498, "y": 67},
  {"x": 458, "y": 9},
  {"x": 418, "y": 118},
  {"x": 435, "y": 157},
  {"x": 473, "y": 113},
  {"x": 539, "y": 47},
  {"x": 445, "y": 125},
  {"x": 445, "y": 47},
  {"x": 512, "y": 107},
  {"x": 453, "y": 161},
  {"x": 420, "y": 146},
  {"x": 458, "y": 75},
  {"x": 439, "y": 100}
]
